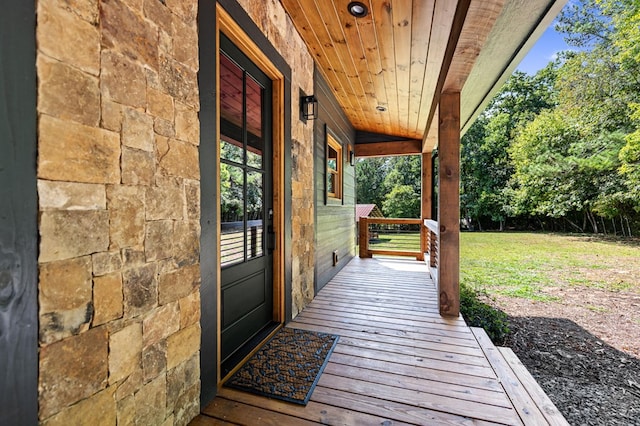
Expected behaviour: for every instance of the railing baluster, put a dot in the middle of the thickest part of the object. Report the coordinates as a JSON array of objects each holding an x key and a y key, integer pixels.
[{"x": 433, "y": 228}]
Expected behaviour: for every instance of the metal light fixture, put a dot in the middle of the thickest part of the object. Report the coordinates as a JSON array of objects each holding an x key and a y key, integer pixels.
[
  {"x": 309, "y": 105},
  {"x": 357, "y": 9},
  {"x": 352, "y": 157}
]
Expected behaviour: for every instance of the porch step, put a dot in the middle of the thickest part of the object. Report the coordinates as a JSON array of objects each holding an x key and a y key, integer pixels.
[{"x": 532, "y": 403}]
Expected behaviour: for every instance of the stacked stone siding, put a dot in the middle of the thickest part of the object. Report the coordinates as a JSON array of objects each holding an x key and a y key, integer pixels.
[
  {"x": 118, "y": 186},
  {"x": 119, "y": 200}
]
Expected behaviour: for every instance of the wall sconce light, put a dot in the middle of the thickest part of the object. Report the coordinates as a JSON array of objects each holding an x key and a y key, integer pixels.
[
  {"x": 309, "y": 105},
  {"x": 352, "y": 157}
]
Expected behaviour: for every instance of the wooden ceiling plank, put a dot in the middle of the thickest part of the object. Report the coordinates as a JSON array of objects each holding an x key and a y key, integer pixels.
[
  {"x": 356, "y": 52},
  {"x": 332, "y": 38},
  {"x": 322, "y": 57},
  {"x": 357, "y": 31},
  {"x": 402, "y": 29},
  {"x": 352, "y": 49},
  {"x": 383, "y": 19},
  {"x": 401, "y": 56},
  {"x": 367, "y": 33},
  {"x": 421, "y": 33}
]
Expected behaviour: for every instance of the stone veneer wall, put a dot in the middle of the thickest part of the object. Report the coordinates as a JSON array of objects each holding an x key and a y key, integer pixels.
[
  {"x": 118, "y": 185},
  {"x": 271, "y": 18}
]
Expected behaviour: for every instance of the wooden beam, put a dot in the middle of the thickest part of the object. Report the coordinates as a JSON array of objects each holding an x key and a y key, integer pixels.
[
  {"x": 384, "y": 149},
  {"x": 456, "y": 29},
  {"x": 426, "y": 199},
  {"x": 449, "y": 204},
  {"x": 430, "y": 139},
  {"x": 479, "y": 21}
]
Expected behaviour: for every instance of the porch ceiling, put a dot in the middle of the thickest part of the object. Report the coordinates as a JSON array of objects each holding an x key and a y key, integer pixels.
[{"x": 404, "y": 53}]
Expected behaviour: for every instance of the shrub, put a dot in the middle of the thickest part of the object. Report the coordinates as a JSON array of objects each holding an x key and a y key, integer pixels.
[{"x": 479, "y": 314}]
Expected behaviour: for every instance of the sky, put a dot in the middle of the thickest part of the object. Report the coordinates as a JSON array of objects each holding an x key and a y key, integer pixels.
[{"x": 543, "y": 52}]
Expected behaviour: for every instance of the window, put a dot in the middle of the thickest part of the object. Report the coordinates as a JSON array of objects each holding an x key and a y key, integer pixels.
[{"x": 334, "y": 168}]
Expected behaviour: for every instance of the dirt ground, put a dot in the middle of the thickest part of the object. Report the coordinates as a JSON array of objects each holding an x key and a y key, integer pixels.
[{"x": 584, "y": 350}]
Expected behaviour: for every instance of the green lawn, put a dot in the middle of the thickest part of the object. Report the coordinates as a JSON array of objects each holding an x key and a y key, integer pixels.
[
  {"x": 521, "y": 264},
  {"x": 403, "y": 241}
]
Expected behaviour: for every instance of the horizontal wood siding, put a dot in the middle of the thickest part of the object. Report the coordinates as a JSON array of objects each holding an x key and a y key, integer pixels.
[{"x": 335, "y": 220}]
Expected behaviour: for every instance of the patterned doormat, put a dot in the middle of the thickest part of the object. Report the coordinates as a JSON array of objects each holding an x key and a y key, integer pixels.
[{"x": 287, "y": 367}]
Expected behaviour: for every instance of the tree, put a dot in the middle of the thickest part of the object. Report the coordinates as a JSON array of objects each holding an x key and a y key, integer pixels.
[
  {"x": 626, "y": 20},
  {"x": 402, "y": 202},
  {"x": 599, "y": 89},
  {"x": 540, "y": 181},
  {"x": 404, "y": 170},
  {"x": 630, "y": 160},
  {"x": 370, "y": 177},
  {"x": 585, "y": 24},
  {"x": 231, "y": 197},
  {"x": 471, "y": 172},
  {"x": 595, "y": 91},
  {"x": 523, "y": 96},
  {"x": 486, "y": 165},
  {"x": 381, "y": 181}
]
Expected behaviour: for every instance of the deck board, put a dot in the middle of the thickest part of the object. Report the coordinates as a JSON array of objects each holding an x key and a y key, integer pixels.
[{"x": 397, "y": 361}]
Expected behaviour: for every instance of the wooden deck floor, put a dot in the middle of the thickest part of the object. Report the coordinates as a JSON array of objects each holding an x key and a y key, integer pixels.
[{"x": 397, "y": 361}]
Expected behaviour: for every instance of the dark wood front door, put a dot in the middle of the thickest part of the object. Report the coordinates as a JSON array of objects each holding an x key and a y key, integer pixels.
[{"x": 246, "y": 202}]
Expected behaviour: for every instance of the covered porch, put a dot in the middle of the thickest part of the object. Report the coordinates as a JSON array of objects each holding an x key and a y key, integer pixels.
[
  {"x": 411, "y": 77},
  {"x": 398, "y": 361}
]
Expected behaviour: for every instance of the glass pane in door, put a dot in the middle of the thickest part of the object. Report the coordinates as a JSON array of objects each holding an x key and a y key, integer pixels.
[
  {"x": 232, "y": 214},
  {"x": 255, "y": 141},
  {"x": 255, "y": 215}
]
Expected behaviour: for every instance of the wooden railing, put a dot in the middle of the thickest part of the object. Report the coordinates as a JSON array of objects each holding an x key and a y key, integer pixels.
[
  {"x": 428, "y": 243},
  {"x": 432, "y": 231},
  {"x": 366, "y": 237}
]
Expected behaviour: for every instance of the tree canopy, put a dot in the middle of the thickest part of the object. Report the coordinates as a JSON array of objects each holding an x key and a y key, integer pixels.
[
  {"x": 563, "y": 146},
  {"x": 392, "y": 183}
]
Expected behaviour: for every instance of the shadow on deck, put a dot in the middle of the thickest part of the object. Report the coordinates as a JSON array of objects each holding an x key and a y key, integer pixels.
[{"x": 397, "y": 362}]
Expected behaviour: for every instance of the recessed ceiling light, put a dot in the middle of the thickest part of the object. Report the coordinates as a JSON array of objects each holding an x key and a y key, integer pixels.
[
  {"x": 381, "y": 108},
  {"x": 358, "y": 9}
]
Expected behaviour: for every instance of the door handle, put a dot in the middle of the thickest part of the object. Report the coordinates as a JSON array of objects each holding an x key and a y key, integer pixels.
[{"x": 271, "y": 238}]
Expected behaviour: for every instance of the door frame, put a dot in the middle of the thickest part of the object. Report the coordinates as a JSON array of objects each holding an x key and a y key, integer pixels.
[
  {"x": 232, "y": 30},
  {"x": 229, "y": 17}
]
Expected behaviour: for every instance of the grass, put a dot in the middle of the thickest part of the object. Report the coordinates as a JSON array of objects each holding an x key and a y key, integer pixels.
[
  {"x": 599, "y": 309},
  {"x": 523, "y": 264},
  {"x": 396, "y": 241}
]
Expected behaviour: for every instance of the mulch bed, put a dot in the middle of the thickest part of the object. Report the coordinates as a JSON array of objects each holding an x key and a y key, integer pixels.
[{"x": 583, "y": 350}]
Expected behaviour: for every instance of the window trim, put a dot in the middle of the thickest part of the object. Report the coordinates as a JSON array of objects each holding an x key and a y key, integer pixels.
[{"x": 333, "y": 143}]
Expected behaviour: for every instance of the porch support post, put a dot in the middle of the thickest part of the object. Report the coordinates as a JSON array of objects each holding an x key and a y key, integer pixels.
[
  {"x": 363, "y": 238},
  {"x": 426, "y": 197},
  {"x": 449, "y": 204}
]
